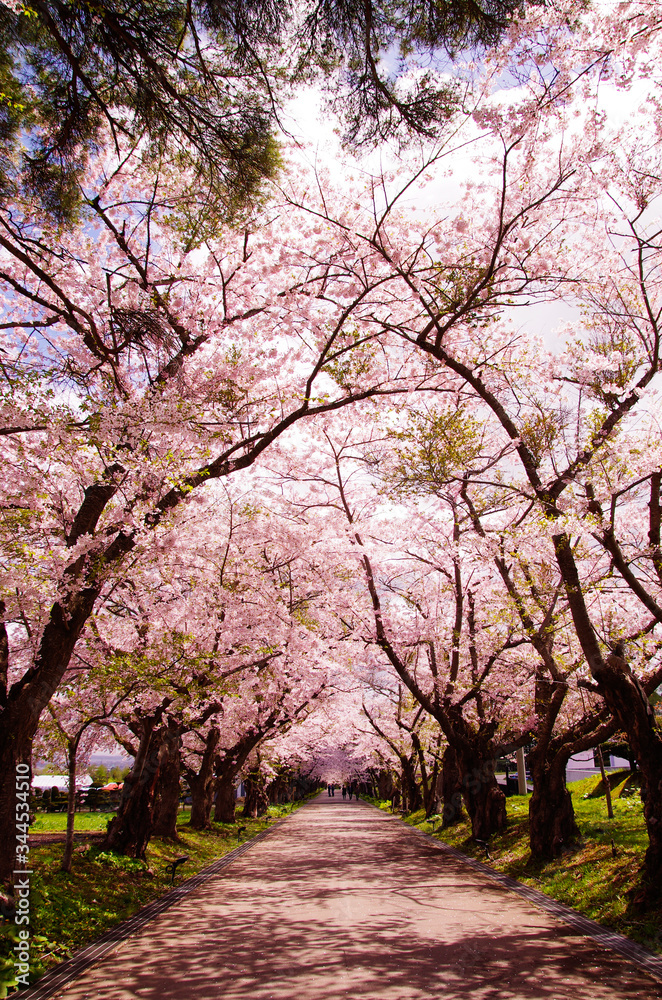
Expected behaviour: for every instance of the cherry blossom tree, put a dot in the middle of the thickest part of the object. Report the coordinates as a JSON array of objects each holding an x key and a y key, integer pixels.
[
  {"x": 428, "y": 616},
  {"x": 444, "y": 450},
  {"x": 181, "y": 355},
  {"x": 244, "y": 662},
  {"x": 562, "y": 209},
  {"x": 72, "y": 730},
  {"x": 403, "y": 729}
]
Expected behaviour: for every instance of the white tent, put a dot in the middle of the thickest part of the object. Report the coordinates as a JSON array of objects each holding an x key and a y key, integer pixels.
[{"x": 59, "y": 781}]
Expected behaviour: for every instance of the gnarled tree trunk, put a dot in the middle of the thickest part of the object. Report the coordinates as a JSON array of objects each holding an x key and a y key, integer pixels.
[
  {"x": 428, "y": 781},
  {"x": 130, "y": 831},
  {"x": 257, "y": 800},
  {"x": 227, "y": 766},
  {"x": 451, "y": 788},
  {"x": 411, "y": 793},
  {"x": 280, "y": 789},
  {"x": 385, "y": 784},
  {"x": 484, "y": 799},
  {"x": 551, "y": 815},
  {"x": 166, "y": 801},
  {"x": 201, "y": 783},
  {"x": 225, "y": 799},
  {"x": 628, "y": 702}
]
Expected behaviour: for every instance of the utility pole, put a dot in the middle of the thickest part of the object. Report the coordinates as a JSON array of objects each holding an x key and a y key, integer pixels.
[{"x": 521, "y": 772}]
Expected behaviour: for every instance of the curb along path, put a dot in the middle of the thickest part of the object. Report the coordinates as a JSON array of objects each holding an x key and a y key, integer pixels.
[{"x": 343, "y": 901}]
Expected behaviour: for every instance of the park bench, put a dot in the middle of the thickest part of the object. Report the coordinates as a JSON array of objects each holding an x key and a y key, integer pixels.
[
  {"x": 486, "y": 847},
  {"x": 173, "y": 865}
]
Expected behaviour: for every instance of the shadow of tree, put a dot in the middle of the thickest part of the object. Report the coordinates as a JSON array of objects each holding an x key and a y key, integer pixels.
[{"x": 343, "y": 902}]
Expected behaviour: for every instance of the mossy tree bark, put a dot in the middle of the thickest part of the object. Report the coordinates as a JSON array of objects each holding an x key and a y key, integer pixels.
[
  {"x": 167, "y": 792},
  {"x": 130, "y": 831},
  {"x": 201, "y": 783}
]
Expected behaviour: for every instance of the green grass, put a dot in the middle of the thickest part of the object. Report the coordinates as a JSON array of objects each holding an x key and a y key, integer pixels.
[
  {"x": 588, "y": 877},
  {"x": 70, "y": 911},
  {"x": 84, "y": 822}
]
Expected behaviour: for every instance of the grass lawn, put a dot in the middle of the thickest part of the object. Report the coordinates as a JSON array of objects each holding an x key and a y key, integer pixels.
[
  {"x": 84, "y": 822},
  {"x": 591, "y": 877},
  {"x": 70, "y": 911}
]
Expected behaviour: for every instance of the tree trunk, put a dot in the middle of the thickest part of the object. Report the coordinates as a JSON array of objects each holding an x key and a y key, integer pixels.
[
  {"x": 411, "y": 792},
  {"x": 451, "y": 788},
  {"x": 485, "y": 801},
  {"x": 385, "y": 785},
  {"x": 279, "y": 790},
  {"x": 12, "y": 753},
  {"x": 257, "y": 800},
  {"x": 25, "y": 702},
  {"x": 227, "y": 766},
  {"x": 605, "y": 782},
  {"x": 202, "y": 783},
  {"x": 166, "y": 800},
  {"x": 225, "y": 802},
  {"x": 429, "y": 782},
  {"x": 629, "y": 704},
  {"x": 202, "y": 800},
  {"x": 130, "y": 831},
  {"x": 250, "y": 802},
  {"x": 551, "y": 815},
  {"x": 71, "y": 806}
]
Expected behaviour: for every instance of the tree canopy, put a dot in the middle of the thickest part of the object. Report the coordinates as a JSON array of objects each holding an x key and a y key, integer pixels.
[
  {"x": 204, "y": 82},
  {"x": 262, "y": 476}
]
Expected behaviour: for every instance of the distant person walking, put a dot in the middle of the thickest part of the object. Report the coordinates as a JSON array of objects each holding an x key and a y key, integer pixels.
[
  {"x": 328, "y": 790},
  {"x": 344, "y": 792},
  {"x": 350, "y": 789}
]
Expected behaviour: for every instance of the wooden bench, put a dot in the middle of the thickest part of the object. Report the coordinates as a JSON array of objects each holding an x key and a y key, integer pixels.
[{"x": 173, "y": 865}]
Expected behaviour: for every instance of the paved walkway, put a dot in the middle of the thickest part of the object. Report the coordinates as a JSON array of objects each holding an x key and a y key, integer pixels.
[{"x": 344, "y": 901}]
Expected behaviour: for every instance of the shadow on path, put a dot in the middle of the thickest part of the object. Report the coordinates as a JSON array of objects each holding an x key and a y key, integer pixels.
[{"x": 342, "y": 901}]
